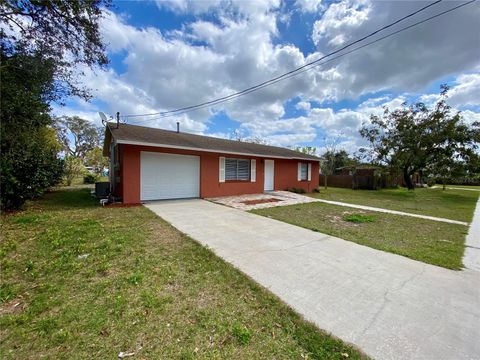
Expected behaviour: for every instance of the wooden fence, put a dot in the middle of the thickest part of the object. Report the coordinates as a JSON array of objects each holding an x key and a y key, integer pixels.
[
  {"x": 342, "y": 181},
  {"x": 360, "y": 182}
]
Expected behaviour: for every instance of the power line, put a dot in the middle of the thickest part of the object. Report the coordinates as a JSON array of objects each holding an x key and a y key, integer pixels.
[
  {"x": 305, "y": 67},
  {"x": 294, "y": 70},
  {"x": 315, "y": 65}
]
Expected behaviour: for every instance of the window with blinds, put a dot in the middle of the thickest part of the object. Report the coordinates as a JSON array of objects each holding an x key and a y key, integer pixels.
[
  {"x": 304, "y": 171},
  {"x": 237, "y": 169}
]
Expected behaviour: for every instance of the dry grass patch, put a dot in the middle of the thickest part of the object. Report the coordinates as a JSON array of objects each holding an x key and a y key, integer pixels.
[
  {"x": 429, "y": 241},
  {"x": 94, "y": 282}
]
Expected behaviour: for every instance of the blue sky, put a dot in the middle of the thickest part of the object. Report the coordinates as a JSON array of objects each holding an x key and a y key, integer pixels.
[{"x": 170, "y": 54}]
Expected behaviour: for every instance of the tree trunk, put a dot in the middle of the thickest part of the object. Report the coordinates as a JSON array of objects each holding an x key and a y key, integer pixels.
[
  {"x": 326, "y": 177},
  {"x": 444, "y": 184},
  {"x": 408, "y": 180}
]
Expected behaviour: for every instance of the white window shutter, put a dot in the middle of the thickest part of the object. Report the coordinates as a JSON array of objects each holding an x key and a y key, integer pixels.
[
  {"x": 253, "y": 170},
  {"x": 309, "y": 171},
  {"x": 299, "y": 172},
  {"x": 221, "y": 175}
]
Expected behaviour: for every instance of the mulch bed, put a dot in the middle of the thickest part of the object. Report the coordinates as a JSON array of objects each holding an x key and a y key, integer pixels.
[
  {"x": 120, "y": 205},
  {"x": 260, "y": 201}
]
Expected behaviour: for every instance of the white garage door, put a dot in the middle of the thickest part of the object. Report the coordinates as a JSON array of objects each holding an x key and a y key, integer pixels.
[{"x": 169, "y": 176}]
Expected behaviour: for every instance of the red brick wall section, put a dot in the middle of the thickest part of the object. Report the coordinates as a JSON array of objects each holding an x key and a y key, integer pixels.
[{"x": 285, "y": 174}]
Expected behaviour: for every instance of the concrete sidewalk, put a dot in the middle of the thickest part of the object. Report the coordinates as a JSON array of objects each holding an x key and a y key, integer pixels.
[
  {"x": 395, "y": 212},
  {"x": 455, "y": 188},
  {"x": 471, "y": 257},
  {"x": 388, "y": 305}
]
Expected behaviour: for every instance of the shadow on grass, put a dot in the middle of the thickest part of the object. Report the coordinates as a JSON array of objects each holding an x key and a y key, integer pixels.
[{"x": 68, "y": 199}]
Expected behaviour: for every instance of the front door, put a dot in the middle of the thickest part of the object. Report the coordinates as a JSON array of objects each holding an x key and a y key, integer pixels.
[{"x": 269, "y": 175}]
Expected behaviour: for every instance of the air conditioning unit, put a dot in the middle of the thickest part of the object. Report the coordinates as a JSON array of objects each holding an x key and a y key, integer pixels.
[{"x": 102, "y": 189}]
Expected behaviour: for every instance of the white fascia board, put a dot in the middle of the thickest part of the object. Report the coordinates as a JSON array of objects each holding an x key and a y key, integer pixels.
[{"x": 141, "y": 143}]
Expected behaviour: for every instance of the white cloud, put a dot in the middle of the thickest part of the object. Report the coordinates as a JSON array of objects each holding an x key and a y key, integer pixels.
[
  {"x": 310, "y": 6},
  {"x": 470, "y": 117},
  {"x": 91, "y": 116},
  {"x": 183, "y": 6},
  {"x": 303, "y": 105},
  {"x": 406, "y": 62},
  {"x": 205, "y": 59},
  {"x": 231, "y": 7},
  {"x": 466, "y": 90},
  {"x": 339, "y": 19}
]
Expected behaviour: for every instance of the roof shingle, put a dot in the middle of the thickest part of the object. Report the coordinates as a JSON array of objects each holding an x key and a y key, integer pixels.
[{"x": 134, "y": 134}]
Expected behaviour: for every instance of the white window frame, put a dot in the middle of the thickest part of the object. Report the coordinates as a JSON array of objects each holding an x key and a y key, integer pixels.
[
  {"x": 303, "y": 169},
  {"x": 221, "y": 167},
  {"x": 253, "y": 170},
  {"x": 237, "y": 160}
]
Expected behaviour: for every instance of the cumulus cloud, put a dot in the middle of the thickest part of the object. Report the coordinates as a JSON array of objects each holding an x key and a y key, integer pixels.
[
  {"x": 470, "y": 117},
  {"x": 466, "y": 90},
  {"x": 340, "y": 20},
  {"x": 204, "y": 59},
  {"x": 408, "y": 61},
  {"x": 231, "y": 7},
  {"x": 310, "y": 6}
]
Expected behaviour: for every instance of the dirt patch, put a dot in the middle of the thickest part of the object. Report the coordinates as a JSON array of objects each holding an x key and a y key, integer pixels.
[
  {"x": 353, "y": 212},
  {"x": 14, "y": 306},
  {"x": 260, "y": 201},
  {"x": 338, "y": 220}
]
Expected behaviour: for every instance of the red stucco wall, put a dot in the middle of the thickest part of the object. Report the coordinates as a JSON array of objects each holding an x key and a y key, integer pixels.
[{"x": 285, "y": 174}]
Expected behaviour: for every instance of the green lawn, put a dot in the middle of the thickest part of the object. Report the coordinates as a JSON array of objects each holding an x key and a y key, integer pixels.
[
  {"x": 429, "y": 241},
  {"x": 79, "y": 281},
  {"x": 79, "y": 180},
  {"x": 450, "y": 204}
]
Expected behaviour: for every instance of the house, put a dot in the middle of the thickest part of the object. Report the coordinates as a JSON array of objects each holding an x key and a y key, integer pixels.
[{"x": 152, "y": 164}]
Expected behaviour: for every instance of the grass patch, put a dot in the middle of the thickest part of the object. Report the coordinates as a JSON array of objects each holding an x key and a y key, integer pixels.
[
  {"x": 82, "y": 281},
  {"x": 450, "y": 204},
  {"x": 359, "y": 218},
  {"x": 429, "y": 241},
  {"x": 242, "y": 334}
]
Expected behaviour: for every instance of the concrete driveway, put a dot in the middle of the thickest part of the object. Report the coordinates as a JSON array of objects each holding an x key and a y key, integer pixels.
[{"x": 389, "y": 306}]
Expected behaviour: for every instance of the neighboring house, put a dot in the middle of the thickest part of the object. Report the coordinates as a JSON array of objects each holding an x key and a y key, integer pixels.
[{"x": 152, "y": 164}]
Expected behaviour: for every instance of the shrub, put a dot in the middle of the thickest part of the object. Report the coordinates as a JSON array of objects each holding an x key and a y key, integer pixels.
[
  {"x": 73, "y": 169},
  {"x": 431, "y": 182},
  {"x": 90, "y": 179},
  {"x": 29, "y": 162},
  {"x": 28, "y": 169},
  {"x": 297, "y": 190}
]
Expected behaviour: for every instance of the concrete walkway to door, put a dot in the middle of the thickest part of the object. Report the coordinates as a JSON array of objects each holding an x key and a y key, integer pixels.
[{"x": 388, "y": 305}]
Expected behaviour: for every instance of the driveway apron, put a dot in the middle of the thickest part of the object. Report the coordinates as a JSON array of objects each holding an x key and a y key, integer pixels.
[{"x": 389, "y": 306}]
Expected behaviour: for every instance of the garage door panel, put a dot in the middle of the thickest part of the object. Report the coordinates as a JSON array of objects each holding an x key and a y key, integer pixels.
[{"x": 169, "y": 176}]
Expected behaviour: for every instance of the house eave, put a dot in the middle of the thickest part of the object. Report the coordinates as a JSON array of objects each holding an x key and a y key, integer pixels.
[{"x": 141, "y": 143}]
